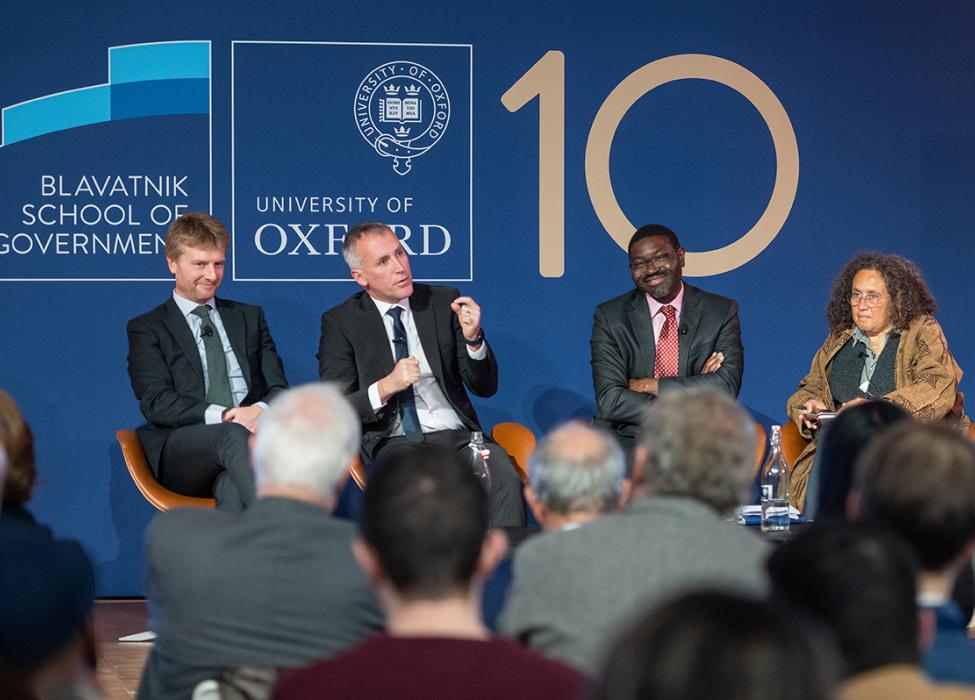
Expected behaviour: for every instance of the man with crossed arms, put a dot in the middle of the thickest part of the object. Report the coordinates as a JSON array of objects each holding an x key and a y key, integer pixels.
[{"x": 661, "y": 336}]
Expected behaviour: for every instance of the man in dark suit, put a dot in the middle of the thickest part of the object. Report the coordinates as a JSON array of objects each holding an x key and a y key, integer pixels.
[
  {"x": 660, "y": 336},
  {"x": 202, "y": 369},
  {"x": 276, "y": 586},
  {"x": 404, "y": 353}
]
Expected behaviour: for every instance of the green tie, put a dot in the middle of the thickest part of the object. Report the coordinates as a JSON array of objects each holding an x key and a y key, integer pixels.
[{"x": 219, "y": 391}]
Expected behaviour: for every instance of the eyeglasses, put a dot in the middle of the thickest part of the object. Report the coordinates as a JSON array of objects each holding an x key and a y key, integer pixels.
[
  {"x": 661, "y": 260},
  {"x": 870, "y": 299}
]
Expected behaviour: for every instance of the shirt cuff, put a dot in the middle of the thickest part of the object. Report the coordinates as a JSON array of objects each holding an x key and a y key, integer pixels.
[
  {"x": 374, "y": 399},
  {"x": 480, "y": 353},
  {"x": 214, "y": 414},
  {"x": 262, "y": 404}
]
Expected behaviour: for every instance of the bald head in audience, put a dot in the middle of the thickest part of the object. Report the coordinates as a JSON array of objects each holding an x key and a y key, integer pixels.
[{"x": 575, "y": 474}]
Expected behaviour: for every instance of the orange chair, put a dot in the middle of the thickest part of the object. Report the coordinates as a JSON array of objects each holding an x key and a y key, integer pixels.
[
  {"x": 157, "y": 494},
  {"x": 760, "y": 438},
  {"x": 358, "y": 472},
  {"x": 793, "y": 443},
  {"x": 519, "y": 442}
]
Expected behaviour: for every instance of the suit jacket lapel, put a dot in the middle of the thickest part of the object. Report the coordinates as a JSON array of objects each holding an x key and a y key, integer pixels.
[
  {"x": 177, "y": 325},
  {"x": 233, "y": 324},
  {"x": 639, "y": 314},
  {"x": 377, "y": 341},
  {"x": 690, "y": 318},
  {"x": 426, "y": 328}
]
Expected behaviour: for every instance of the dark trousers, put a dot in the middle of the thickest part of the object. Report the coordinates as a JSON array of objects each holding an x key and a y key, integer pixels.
[
  {"x": 209, "y": 460},
  {"x": 506, "y": 506}
]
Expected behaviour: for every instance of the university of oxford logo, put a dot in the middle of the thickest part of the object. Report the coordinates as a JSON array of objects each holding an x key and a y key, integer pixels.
[{"x": 402, "y": 110}]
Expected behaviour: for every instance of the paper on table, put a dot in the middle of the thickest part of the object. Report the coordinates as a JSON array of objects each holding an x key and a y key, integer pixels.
[{"x": 147, "y": 636}]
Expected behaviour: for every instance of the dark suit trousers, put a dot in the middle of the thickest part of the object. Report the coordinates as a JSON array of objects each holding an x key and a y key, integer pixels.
[
  {"x": 506, "y": 506},
  {"x": 209, "y": 460}
]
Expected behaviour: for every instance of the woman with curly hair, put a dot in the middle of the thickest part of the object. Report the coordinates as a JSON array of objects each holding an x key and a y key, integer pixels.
[{"x": 883, "y": 343}]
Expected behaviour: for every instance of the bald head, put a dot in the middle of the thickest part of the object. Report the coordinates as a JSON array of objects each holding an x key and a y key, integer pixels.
[{"x": 577, "y": 468}]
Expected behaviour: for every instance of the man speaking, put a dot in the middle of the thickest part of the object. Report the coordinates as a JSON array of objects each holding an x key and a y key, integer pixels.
[
  {"x": 660, "y": 336},
  {"x": 403, "y": 353},
  {"x": 202, "y": 369}
]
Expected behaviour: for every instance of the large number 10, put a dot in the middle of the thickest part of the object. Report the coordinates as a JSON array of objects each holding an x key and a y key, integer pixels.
[{"x": 546, "y": 79}]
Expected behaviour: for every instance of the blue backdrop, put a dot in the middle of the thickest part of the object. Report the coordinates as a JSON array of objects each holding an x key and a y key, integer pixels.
[{"x": 266, "y": 100}]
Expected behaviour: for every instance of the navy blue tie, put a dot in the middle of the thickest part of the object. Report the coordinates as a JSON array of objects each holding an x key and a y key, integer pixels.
[{"x": 407, "y": 403}]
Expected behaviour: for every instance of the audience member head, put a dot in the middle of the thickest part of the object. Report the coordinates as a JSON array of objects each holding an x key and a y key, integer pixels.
[
  {"x": 697, "y": 443},
  {"x": 17, "y": 441},
  {"x": 575, "y": 473},
  {"x": 424, "y": 528},
  {"x": 719, "y": 645},
  {"x": 842, "y": 442},
  {"x": 195, "y": 229},
  {"x": 46, "y": 592},
  {"x": 919, "y": 480},
  {"x": 305, "y": 444},
  {"x": 858, "y": 580}
]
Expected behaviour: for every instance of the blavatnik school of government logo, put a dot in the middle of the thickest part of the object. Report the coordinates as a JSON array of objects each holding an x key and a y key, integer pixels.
[{"x": 402, "y": 110}]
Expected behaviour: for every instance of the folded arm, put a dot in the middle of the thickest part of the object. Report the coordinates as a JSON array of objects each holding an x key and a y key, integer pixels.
[
  {"x": 611, "y": 376},
  {"x": 727, "y": 377}
]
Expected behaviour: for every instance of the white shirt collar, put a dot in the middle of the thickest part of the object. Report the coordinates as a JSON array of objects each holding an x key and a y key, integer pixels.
[
  {"x": 385, "y": 306},
  {"x": 187, "y": 306}
]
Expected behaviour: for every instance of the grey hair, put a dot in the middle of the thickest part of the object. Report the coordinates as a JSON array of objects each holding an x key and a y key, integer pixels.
[
  {"x": 577, "y": 468},
  {"x": 350, "y": 244},
  {"x": 306, "y": 439},
  {"x": 700, "y": 443}
]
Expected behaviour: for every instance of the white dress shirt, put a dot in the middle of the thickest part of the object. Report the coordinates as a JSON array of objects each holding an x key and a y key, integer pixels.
[{"x": 432, "y": 408}]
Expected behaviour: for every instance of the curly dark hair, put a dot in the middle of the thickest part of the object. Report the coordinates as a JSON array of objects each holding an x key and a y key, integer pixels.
[{"x": 909, "y": 293}]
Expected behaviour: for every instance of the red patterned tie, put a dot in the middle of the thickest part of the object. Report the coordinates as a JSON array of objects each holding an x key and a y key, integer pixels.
[{"x": 668, "y": 345}]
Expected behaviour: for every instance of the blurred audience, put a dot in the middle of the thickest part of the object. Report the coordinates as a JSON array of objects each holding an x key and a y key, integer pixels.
[
  {"x": 719, "y": 645},
  {"x": 841, "y": 443},
  {"x": 860, "y": 581},
  {"x": 575, "y": 475},
  {"x": 275, "y": 586},
  {"x": 572, "y": 591},
  {"x": 919, "y": 481},
  {"x": 426, "y": 548},
  {"x": 47, "y": 587},
  {"x": 17, "y": 440}
]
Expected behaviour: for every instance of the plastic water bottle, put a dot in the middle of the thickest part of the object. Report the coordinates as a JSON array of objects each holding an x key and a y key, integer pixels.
[
  {"x": 775, "y": 486},
  {"x": 479, "y": 457}
]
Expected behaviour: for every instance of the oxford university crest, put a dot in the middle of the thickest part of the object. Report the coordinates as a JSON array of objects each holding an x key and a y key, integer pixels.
[{"x": 402, "y": 110}]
